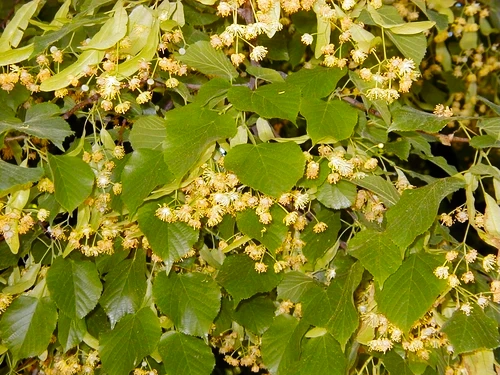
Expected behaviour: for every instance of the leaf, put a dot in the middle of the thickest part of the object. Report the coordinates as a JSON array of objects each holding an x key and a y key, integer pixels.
[
  {"x": 484, "y": 141},
  {"x": 377, "y": 253},
  {"x": 73, "y": 180},
  {"x": 318, "y": 82},
  {"x": 412, "y": 46},
  {"x": 480, "y": 362},
  {"x": 334, "y": 308},
  {"x": 14, "y": 31},
  {"x": 265, "y": 74},
  {"x": 411, "y": 28},
  {"x": 27, "y": 325},
  {"x": 170, "y": 241},
  {"x": 469, "y": 333},
  {"x": 17, "y": 55},
  {"x": 178, "y": 351},
  {"x": 13, "y": 177},
  {"x": 148, "y": 132},
  {"x": 255, "y": 314},
  {"x": 395, "y": 364},
  {"x": 133, "y": 338},
  {"x": 191, "y": 301},
  {"x": 74, "y": 286},
  {"x": 204, "y": 58},
  {"x": 491, "y": 126},
  {"x": 318, "y": 243},
  {"x": 328, "y": 122},
  {"x": 124, "y": 288},
  {"x": 492, "y": 217},
  {"x": 191, "y": 130},
  {"x": 213, "y": 91},
  {"x": 281, "y": 344},
  {"x": 131, "y": 66},
  {"x": 145, "y": 170},
  {"x": 417, "y": 209},
  {"x": 294, "y": 285},
  {"x": 42, "y": 121},
  {"x": 337, "y": 196},
  {"x": 277, "y": 100},
  {"x": 64, "y": 77},
  {"x": 275, "y": 233},
  {"x": 410, "y": 292},
  {"x": 111, "y": 32},
  {"x": 409, "y": 119},
  {"x": 70, "y": 331},
  {"x": 279, "y": 166},
  {"x": 240, "y": 279},
  {"x": 322, "y": 355},
  {"x": 381, "y": 187}
]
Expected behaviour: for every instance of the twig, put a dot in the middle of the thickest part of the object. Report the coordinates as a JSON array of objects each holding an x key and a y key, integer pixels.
[
  {"x": 353, "y": 102},
  {"x": 90, "y": 100},
  {"x": 15, "y": 138}
]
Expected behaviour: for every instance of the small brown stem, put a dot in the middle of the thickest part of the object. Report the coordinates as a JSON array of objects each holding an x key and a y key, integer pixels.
[{"x": 90, "y": 100}]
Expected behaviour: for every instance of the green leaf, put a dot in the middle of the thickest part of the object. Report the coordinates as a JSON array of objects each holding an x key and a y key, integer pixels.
[
  {"x": 278, "y": 165},
  {"x": 74, "y": 286},
  {"x": 491, "y": 126},
  {"x": 277, "y": 100},
  {"x": 111, "y": 32},
  {"x": 484, "y": 141},
  {"x": 133, "y": 338},
  {"x": 73, "y": 180},
  {"x": 409, "y": 119},
  {"x": 191, "y": 130},
  {"x": 294, "y": 285},
  {"x": 204, "y": 58},
  {"x": 145, "y": 170},
  {"x": 274, "y": 234},
  {"x": 239, "y": 277},
  {"x": 255, "y": 314},
  {"x": 191, "y": 301},
  {"x": 411, "y": 28},
  {"x": 14, "y": 56},
  {"x": 417, "y": 209},
  {"x": 64, "y": 77},
  {"x": 265, "y": 74},
  {"x": 27, "y": 325},
  {"x": 13, "y": 177},
  {"x": 337, "y": 196},
  {"x": 381, "y": 187},
  {"x": 41, "y": 121},
  {"x": 328, "y": 122},
  {"x": 474, "y": 332},
  {"x": 377, "y": 253},
  {"x": 411, "y": 291},
  {"x": 395, "y": 364},
  {"x": 148, "y": 132},
  {"x": 70, "y": 331},
  {"x": 322, "y": 355},
  {"x": 124, "y": 288},
  {"x": 412, "y": 46},
  {"x": 281, "y": 344},
  {"x": 14, "y": 31},
  {"x": 318, "y": 82},
  {"x": 334, "y": 308},
  {"x": 178, "y": 351},
  {"x": 318, "y": 243},
  {"x": 170, "y": 241},
  {"x": 213, "y": 91}
]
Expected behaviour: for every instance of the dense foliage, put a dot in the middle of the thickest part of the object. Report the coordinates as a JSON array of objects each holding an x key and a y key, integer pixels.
[{"x": 249, "y": 186}]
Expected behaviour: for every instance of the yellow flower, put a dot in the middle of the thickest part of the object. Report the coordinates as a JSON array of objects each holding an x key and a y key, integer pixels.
[
  {"x": 144, "y": 97},
  {"x": 122, "y": 107}
]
